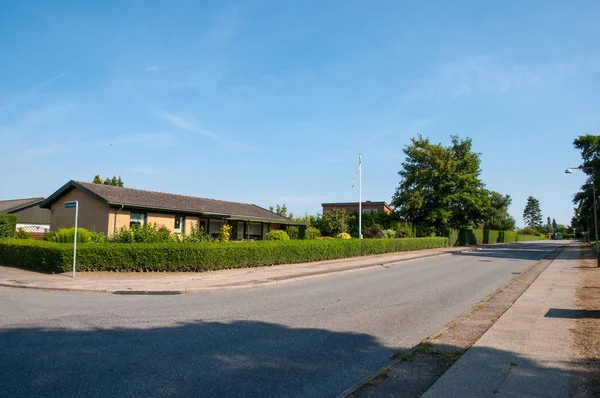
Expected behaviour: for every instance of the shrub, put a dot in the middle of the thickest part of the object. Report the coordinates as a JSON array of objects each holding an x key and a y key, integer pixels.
[
  {"x": 48, "y": 236},
  {"x": 373, "y": 232},
  {"x": 277, "y": 234},
  {"x": 53, "y": 257},
  {"x": 225, "y": 233},
  {"x": 405, "y": 228},
  {"x": 325, "y": 238},
  {"x": 312, "y": 233},
  {"x": 195, "y": 235},
  {"x": 389, "y": 233},
  {"x": 97, "y": 237},
  {"x": 525, "y": 238},
  {"x": 22, "y": 234},
  {"x": 344, "y": 235},
  {"x": 67, "y": 235},
  {"x": 528, "y": 231},
  {"x": 149, "y": 233},
  {"x": 334, "y": 222},
  {"x": 8, "y": 224},
  {"x": 293, "y": 232}
]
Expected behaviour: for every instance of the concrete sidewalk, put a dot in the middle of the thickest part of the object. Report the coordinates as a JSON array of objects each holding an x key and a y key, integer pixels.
[
  {"x": 528, "y": 351},
  {"x": 187, "y": 282}
]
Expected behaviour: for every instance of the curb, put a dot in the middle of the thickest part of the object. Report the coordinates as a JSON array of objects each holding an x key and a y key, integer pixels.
[
  {"x": 355, "y": 387},
  {"x": 267, "y": 282}
]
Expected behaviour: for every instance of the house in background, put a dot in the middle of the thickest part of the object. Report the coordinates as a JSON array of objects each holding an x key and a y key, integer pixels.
[
  {"x": 352, "y": 207},
  {"x": 30, "y": 217},
  {"x": 106, "y": 208}
]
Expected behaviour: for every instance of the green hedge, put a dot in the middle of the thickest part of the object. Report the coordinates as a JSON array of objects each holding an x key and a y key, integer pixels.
[
  {"x": 524, "y": 238},
  {"x": 36, "y": 255},
  {"x": 56, "y": 257},
  {"x": 8, "y": 225},
  {"x": 467, "y": 237}
]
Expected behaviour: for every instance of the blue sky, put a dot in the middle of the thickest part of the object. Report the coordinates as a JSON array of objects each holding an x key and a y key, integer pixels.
[{"x": 270, "y": 102}]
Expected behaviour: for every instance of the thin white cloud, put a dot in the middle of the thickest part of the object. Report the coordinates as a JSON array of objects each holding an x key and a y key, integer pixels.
[
  {"x": 155, "y": 68},
  {"x": 24, "y": 96},
  {"x": 487, "y": 75},
  {"x": 187, "y": 124},
  {"x": 142, "y": 138},
  {"x": 48, "y": 81}
]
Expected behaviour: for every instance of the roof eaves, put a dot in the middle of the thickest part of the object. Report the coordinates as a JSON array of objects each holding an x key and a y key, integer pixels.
[
  {"x": 47, "y": 204},
  {"x": 169, "y": 209},
  {"x": 23, "y": 206},
  {"x": 267, "y": 220}
]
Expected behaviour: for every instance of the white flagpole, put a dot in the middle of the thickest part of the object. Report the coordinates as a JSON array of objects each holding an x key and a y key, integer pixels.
[{"x": 360, "y": 235}]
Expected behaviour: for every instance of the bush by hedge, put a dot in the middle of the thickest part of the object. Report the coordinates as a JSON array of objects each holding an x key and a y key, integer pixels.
[
  {"x": 312, "y": 233},
  {"x": 55, "y": 257},
  {"x": 8, "y": 225},
  {"x": 524, "y": 238},
  {"x": 277, "y": 234}
]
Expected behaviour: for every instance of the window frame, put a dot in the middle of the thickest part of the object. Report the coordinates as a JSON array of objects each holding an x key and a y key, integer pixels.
[
  {"x": 141, "y": 221},
  {"x": 181, "y": 228}
]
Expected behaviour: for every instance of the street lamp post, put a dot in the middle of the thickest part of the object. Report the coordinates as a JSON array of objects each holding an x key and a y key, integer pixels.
[{"x": 569, "y": 171}]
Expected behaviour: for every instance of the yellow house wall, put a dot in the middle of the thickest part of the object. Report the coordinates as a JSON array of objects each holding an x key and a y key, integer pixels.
[
  {"x": 161, "y": 219},
  {"x": 122, "y": 219},
  {"x": 189, "y": 220},
  {"x": 93, "y": 214}
]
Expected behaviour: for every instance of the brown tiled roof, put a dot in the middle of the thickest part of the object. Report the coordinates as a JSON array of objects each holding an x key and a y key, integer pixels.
[
  {"x": 7, "y": 206},
  {"x": 137, "y": 198}
]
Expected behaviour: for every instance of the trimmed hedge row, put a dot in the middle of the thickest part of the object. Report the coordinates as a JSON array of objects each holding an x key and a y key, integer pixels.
[
  {"x": 468, "y": 237},
  {"x": 8, "y": 225},
  {"x": 56, "y": 257},
  {"x": 529, "y": 237}
]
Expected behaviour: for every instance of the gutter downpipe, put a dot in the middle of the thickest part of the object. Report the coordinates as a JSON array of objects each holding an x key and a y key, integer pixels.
[{"x": 115, "y": 223}]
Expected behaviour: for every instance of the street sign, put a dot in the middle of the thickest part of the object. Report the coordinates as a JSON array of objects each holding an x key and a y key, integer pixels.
[{"x": 74, "y": 205}]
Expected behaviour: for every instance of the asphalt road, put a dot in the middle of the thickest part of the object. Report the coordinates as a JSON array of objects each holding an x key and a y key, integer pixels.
[{"x": 313, "y": 338}]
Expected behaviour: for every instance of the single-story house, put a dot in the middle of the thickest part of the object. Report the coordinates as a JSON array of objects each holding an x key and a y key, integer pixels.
[
  {"x": 106, "y": 208},
  {"x": 30, "y": 217},
  {"x": 352, "y": 207}
]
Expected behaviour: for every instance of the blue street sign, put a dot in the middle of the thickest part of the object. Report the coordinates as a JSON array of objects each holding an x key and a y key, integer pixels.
[{"x": 70, "y": 205}]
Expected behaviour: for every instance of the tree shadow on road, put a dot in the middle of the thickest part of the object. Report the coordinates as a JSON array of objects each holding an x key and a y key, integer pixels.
[
  {"x": 480, "y": 372},
  {"x": 242, "y": 358}
]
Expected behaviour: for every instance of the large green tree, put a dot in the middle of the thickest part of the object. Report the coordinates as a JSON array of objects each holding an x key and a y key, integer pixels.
[
  {"x": 114, "y": 181},
  {"x": 440, "y": 186},
  {"x": 532, "y": 214},
  {"x": 496, "y": 214},
  {"x": 589, "y": 145}
]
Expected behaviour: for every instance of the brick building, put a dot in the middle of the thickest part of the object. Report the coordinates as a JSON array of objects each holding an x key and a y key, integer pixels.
[{"x": 352, "y": 207}]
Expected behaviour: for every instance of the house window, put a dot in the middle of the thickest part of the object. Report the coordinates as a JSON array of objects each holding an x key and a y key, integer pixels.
[
  {"x": 254, "y": 230},
  {"x": 369, "y": 211},
  {"x": 214, "y": 227},
  {"x": 137, "y": 219},
  {"x": 240, "y": 230},
  {"x": 179, "y": 223}
]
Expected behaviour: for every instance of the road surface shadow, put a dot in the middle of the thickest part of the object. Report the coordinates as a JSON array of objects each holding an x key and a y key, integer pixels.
[
  {"x": 481, "y": 372},
  {"x": 242, "y": 358},
  {"x": 572, "y": 314}
]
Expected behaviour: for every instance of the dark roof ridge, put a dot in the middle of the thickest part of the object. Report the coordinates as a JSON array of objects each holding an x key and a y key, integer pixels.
[{"x": 84, "y": 183}]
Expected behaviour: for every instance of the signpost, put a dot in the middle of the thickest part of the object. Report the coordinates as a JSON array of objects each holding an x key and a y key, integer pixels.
[{"x": 70, "y": 205}]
